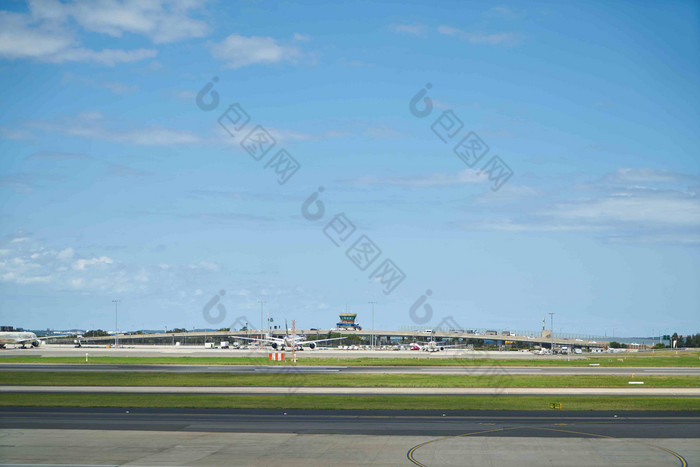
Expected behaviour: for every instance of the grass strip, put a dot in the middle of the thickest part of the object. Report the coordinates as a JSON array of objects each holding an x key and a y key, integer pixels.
[
  {"x": 683, "y": 359},
  {"x": 348, "y": 402},
  {"x": 60, "y": 378}
]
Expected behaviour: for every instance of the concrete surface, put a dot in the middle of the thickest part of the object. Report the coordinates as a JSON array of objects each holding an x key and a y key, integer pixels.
[
  {"x": 325, "y": 437},
  {"x": 152, "y": 448}
]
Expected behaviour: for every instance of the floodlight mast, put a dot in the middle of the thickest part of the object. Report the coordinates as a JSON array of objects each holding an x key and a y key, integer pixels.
[
  {"x": 372, "y": 338},
  {"x": 116, "y": 323}
]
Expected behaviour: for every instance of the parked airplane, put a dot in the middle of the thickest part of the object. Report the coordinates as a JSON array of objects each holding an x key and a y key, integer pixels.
[
  {"x": 22, "y": 338},
  {"x": 432, "y": 346},
  {"x": 293, "y": 341}
]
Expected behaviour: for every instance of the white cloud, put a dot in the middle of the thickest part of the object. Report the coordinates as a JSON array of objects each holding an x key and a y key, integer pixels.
[
  {"x": 645, "y": 209},
  {"x": 239, "y": 51},
  {"x": 46, "y": 33},
  {"x": 293, "y": 135},
  {"x": 503, "y": 38},
  {"x": 29, "y": 263},
  {"x": 301, "y": 37},
  {"x": 205, "y": 265},
  {"x": 81, "y": 264},
  {"x": 21, "y": 37},
  {"x": 645, "y": 175},
  {"x": 652, "y": 208},
  {"x": 162, "y": 21},
  {"x": 66, "y": 254}
]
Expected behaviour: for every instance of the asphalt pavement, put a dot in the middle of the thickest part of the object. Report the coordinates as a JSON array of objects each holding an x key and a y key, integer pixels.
[{"x": 625, "y": 424}]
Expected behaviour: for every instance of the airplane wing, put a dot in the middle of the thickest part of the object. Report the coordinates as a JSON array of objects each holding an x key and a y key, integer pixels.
[
  {"x": 24, "y": 341},
  {"x": 320, "y": 340},
  {"x": 264, "y": 339},
  {"x": 437, "y": 344},
  {"x": 78, "y": 336}
]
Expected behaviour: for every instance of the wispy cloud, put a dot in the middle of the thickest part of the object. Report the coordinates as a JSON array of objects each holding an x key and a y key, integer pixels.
[
  {"x": 15, "y": 133},
  {"x": 502, "y": 38},
  {"x": 423, "y": 181},
  {"x": 112, "y": 86},
  {"x": 649, "y": 209},
  {"x": 500, "y": 12},
  {"x": 47, "y": 32},
  {"x": 55, "y": 156},
  {"x": 26, "y": 261},
  {"x": 25, "y": 37},
  {"x": 119, "y": 170},
  {"x": 646, "y": 175},
  {"x": 162, "y": 22},
  {"x": 93, "y": 125},
  {"x": 20, "y": 183},
  {"x": 412, "y": 29},
  {"x": 238, "y": 51},
  {"x": 631, "y": 205}
]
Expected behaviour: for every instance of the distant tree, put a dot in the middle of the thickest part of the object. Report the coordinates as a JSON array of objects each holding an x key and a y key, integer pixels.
[
  {"x": 674, "y": 337},
  {"x": 226, "y": 329},
  {"x": 692, "y": 340},
  {"x": 96, "y": 333},
  {"x": 176, "y": 330},
  {"x": 659, "y": 346},
  {"x": 617, "y": 345},
  {"x": 352, "y": 340}
]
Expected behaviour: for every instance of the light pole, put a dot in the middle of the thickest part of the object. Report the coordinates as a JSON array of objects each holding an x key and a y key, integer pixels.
[
  {"x": 116, "y": 323},
  {"x": 551, "y": 332},
  {"x": 372, "y": 335},
  {"x": 262, "y": 302}
]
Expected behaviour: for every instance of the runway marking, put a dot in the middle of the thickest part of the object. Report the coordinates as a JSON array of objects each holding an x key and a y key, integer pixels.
[
  {"x": 684, "y": 463},
  {"x": 410, "y": 453}
]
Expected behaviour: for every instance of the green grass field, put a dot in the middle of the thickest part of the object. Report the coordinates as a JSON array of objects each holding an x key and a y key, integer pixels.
[
  {"x": 349, "y": 402},
  {"x": 665, "y": 359},
  {"x": 332, "y": 380}
]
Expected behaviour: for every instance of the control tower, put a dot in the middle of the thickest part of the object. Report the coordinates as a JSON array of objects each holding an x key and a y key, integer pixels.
[{"x": 347, "y": 321}]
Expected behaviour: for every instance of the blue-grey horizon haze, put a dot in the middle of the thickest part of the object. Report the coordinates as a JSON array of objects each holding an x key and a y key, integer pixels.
[{"x": 119, "y": 178}]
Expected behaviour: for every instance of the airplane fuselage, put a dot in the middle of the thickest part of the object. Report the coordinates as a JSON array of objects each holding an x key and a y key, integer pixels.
[{"x": 19, "y": 338}]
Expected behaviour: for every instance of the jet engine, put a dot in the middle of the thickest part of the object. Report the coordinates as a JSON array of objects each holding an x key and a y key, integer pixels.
[{"x": 312, "y": 345}]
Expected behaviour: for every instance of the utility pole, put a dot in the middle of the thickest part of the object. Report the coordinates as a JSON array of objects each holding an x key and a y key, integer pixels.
[
  {"x": 372, "y": 335},
  {"x": 551, "y": 332},
  {"x": 116, "y": 323}
]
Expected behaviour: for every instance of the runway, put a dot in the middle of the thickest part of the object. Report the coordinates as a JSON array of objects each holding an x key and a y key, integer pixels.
[
  {"x": 490, "y": 370},
  {"x": 311, "y": 438},
  {"x": 361, "y": 391},
  {"x": 637, "y": 424}
]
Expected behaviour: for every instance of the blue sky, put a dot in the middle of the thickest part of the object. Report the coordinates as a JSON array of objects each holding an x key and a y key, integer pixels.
[{"x": 115, "y": 184}]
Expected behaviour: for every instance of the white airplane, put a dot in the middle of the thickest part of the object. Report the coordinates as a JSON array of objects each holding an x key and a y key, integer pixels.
[
  {"x": 294, "y": 341},
  {"x": 22, "y": 338},
  {"x": 432, "y": 346}
]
